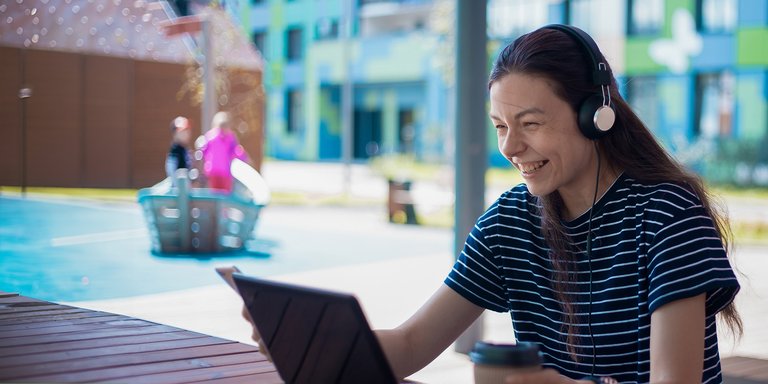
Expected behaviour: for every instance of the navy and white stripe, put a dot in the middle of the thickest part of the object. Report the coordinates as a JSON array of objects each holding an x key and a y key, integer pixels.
[{"x": 652, "y": 244}]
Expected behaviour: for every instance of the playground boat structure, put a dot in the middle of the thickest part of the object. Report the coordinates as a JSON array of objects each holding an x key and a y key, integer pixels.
[{"x": 182, "y": 219}]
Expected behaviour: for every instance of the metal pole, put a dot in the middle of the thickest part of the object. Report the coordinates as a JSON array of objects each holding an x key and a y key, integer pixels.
[
  {"x": 209, "y": 86},
  {"x": 24, "y": 93},
  {"x": 346, "y": 97},
  {"x": 471, "y": 149}
]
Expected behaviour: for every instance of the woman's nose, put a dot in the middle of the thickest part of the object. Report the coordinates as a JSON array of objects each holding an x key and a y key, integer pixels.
[{"x": 510, "y": 143}]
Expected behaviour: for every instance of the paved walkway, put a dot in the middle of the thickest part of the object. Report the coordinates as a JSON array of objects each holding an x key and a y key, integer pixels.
[{"x": 392, "y": 290}]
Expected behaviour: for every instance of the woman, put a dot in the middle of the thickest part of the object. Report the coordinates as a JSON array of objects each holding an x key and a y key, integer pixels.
[{"x": 610, "y": 256}]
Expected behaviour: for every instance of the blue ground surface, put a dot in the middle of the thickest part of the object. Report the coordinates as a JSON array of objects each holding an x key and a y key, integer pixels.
[{"x": 72, "y": 250}]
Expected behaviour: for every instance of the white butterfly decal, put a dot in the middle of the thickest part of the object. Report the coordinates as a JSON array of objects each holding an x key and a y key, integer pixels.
[{"x": 685, "y": 43}]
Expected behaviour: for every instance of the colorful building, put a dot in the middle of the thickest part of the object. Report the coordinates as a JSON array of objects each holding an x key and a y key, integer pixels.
[{"x": 695, "y": 70}]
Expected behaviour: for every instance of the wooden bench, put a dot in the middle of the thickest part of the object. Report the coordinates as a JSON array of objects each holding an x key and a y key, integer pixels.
[{"x": 47, "y": 342}]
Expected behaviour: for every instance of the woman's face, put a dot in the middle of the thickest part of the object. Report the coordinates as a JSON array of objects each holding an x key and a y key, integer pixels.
[{"x": 538, "y": 133}]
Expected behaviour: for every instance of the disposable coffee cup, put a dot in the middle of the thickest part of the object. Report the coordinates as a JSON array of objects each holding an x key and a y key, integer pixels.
[{"x": 494, "y": 362}]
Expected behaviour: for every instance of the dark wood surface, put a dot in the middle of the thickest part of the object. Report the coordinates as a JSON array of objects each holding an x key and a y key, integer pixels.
[
  {"x": 744, "y": 370},
  {"x": 47, "y": 342}
]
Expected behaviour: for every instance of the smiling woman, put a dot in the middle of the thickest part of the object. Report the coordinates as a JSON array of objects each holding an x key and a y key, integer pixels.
[{"x": 609, "y": 256}]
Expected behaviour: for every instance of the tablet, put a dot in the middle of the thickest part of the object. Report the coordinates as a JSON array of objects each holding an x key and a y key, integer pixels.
[{"x": 314, "y": 335}]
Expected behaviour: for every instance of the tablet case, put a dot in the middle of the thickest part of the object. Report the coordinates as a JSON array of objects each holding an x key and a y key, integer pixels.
[{"x": 314, "y": 335}]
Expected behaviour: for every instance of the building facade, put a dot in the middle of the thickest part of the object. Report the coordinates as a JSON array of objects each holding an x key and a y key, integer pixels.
[{"x": 695, "y": 70}]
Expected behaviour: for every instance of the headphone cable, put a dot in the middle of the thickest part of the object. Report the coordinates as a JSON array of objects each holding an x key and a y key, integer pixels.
[{"x": 589, "y": 261}]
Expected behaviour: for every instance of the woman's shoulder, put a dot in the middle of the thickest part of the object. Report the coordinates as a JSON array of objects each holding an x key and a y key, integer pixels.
[{"x": 669, "y": 195}]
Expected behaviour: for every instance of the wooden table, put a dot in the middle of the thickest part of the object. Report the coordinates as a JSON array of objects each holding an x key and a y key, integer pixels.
[{"x": 42, "y": 341}]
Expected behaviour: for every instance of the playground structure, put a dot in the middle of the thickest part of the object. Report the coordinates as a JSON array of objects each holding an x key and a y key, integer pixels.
[{"x": 185, "y": 219}]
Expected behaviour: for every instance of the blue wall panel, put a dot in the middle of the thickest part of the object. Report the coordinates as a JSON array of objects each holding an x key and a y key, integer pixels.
[
  {"x": 753, "y": 13},
  {"x": 718, "y": 51}
]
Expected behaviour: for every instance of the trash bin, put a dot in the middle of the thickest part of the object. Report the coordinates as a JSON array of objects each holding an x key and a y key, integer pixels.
[{"x": 400, "y": 202}]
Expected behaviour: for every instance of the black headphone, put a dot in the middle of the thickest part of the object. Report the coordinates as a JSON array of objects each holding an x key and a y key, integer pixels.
[{"x": 596, "y": 115}]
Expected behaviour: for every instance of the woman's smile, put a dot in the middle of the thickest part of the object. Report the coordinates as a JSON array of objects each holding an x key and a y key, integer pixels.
[{"x": 529, "y": 168}]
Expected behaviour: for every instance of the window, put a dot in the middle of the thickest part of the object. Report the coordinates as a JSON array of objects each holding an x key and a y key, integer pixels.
[
  {"x": 714, "y": 105},
  {"x": 716, "y": 15},
  {"x": 327, "y": 28},
  {"x": 294, "y": 109},
  {"x": 293, "y": 46},
  {"x": 259, "y": 40},
  {"x": 646, "y": 17},
  {"x": 511, "y": 18},
  {"x": 643, "y": 97}
]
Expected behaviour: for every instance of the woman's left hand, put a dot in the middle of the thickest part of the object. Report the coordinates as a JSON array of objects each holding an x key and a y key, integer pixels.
[{"x": 544, "y": 376}]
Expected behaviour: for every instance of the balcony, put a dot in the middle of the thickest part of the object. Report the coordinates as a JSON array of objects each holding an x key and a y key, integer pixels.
[{"x": 378, "y": 17}]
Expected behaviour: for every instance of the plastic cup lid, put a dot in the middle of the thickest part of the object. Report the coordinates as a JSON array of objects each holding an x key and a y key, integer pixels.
[{"x": 520, "y": 354}]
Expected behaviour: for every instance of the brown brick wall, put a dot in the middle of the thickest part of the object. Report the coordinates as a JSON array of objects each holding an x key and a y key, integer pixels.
[
  {"x": 54, "y": 118},
  {"x": 10, "y": 117},
  {"x": 107, "y": 122}
]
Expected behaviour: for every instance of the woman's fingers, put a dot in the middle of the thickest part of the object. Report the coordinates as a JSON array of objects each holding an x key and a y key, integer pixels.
[
  {"x": 246, "y": 315},
  {"x": 255, "y": 333}
]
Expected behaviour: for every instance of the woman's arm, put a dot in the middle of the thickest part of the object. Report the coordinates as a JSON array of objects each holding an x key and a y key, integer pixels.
[
  {"x": 418, "y": 341},
  {"x": 677, "y": 341}
]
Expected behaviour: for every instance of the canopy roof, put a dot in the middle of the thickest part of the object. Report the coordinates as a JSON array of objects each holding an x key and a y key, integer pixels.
[{"x": 122, "y": 28}]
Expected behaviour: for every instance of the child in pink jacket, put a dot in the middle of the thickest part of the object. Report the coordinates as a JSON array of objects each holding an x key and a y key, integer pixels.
[{"x": 219, "y": 149}]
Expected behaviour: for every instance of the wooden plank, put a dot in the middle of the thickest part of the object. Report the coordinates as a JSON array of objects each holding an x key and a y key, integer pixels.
[
  {"x": 15, "y": 298},
  {"x": 53, "y": 318},
  {"x": 133, "y": 371},
  {"x": 52, "y": 312},
  {"x": 68, "y": 354},
  {"x": 240, "y": 373},
  {"x": 26, "y": 307},
  {"x": 98, "y": 318},
  {"x": 119, "y": 362},
  {"x": 74, "y": 345},
  {"x": 100, "y": 334},
  {"x": 64, "y": 328},
  {"x": 261, "y": 378}
]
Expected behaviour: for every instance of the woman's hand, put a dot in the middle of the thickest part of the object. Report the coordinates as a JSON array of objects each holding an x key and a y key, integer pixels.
[
  {"x": 544, "y": 376},
  {"x": 255, "y": 334}
]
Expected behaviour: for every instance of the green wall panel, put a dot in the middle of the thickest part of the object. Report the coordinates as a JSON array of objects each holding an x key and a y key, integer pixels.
[
  {"x": 752, "y": 46},
  {"x": 670, "y": 6},
  {"x": 753, "y": 109},
  {"x": 638, "y": 61}
]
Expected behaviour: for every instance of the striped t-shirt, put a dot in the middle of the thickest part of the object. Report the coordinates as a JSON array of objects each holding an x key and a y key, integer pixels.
[{"x": 652, "y": 244}]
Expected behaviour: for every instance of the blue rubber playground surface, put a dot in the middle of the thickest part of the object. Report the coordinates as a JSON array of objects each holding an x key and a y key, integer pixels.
[{"x": 75, "y": 249}]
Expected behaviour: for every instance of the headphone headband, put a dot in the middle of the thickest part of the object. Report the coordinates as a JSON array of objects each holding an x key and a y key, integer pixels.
[
  {"x": 600, "y": 75},
  {"x": 595, "y": 115}
]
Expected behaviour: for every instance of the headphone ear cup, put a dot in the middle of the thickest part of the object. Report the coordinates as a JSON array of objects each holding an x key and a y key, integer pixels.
[{"x": 595, "y": 119}]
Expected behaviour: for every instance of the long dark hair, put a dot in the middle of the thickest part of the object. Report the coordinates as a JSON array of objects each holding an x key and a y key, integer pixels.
[{"x": 630, "y": 147}]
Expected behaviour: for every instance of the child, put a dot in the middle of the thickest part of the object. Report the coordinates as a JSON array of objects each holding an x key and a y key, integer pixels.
[
  {"x": 178, "y": 154},
  {"x": 220, "y": 147}
]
